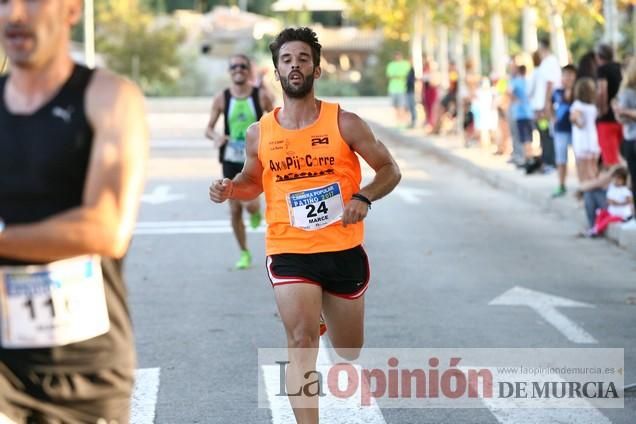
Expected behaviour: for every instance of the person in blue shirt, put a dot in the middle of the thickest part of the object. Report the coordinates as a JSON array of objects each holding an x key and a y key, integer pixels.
[
  {"x": 523, "y": 116},
  {"x": 562, "y": 99}
]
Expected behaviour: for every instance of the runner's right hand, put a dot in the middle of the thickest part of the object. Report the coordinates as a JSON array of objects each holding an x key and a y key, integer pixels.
[
  {"x": 220, "y": 141},
  {"x": 220, "y": 190}
]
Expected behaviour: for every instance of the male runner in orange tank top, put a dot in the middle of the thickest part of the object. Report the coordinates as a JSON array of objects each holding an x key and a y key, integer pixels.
[{"x": 303, "y": 156}]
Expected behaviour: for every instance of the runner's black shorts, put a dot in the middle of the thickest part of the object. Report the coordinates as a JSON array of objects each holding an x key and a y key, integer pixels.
[
  {"x": 37, "y": 396},
  {"x": 344, "y": 273},
  {"x": 231, "y": 169}
]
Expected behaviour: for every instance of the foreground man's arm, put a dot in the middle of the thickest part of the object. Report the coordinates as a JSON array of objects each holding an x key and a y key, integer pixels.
[{"x": 104, "y": 223}]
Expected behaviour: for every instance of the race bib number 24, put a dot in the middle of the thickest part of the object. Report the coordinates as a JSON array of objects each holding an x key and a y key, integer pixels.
[{"x": 315, "y": 208}]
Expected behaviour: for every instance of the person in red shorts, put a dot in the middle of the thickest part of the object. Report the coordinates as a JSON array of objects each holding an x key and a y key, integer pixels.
[{"x": 608, "y": 82}]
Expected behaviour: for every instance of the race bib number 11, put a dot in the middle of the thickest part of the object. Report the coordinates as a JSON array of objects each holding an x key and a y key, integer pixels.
[
  {"x": 52, "y": 305},
  {"x": 315, "y": 208}
]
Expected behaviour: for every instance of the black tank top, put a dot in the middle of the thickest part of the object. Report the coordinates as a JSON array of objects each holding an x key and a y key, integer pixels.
[{"x": 44, "y": 158}]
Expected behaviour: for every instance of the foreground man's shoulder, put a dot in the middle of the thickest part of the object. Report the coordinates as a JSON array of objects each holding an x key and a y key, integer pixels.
[{"x": 108, "y": 87}]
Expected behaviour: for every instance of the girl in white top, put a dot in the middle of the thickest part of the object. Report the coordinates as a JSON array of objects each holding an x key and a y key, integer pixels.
[
  {"x": 583, "y": 115},
  {"x": 619, "y": 196}
]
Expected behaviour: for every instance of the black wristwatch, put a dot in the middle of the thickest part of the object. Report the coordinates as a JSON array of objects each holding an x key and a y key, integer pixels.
[{"x": 362, "y": 198}]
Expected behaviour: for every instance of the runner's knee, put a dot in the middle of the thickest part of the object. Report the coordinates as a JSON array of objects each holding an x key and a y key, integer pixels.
[
  {"x": 236, "y": 209},
  {"x": 303, "y": 338},
  {"x": 349, "y": 353}
]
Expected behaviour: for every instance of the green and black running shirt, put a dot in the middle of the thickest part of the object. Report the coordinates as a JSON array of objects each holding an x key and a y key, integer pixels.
[{"x": 238, "y": 115}]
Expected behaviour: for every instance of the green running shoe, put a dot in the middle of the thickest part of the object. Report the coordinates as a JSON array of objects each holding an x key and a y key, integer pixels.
[
  {"x": 244, "y": 261},
  {"x": 255, "y": 219},
  {"x": 559, "y": 192}
]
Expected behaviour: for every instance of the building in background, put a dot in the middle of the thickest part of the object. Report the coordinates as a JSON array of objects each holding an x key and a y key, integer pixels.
[{"x": 346, "y": 49}]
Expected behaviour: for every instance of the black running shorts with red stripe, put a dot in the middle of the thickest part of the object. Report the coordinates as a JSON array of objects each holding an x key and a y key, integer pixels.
[{"x": 344, "y": 273}]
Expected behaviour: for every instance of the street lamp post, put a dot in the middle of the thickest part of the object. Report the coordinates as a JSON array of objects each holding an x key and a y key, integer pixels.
[
  {"x": 461, "y": 69},
  {"x": 89, "y": 33}
]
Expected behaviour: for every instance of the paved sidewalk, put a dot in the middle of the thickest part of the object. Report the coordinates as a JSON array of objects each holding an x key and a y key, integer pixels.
[{"x": 492, "y": 169}]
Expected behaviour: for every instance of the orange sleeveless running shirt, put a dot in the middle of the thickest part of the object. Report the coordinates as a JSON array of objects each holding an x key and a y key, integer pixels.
[{"x": 308, "y": 176}]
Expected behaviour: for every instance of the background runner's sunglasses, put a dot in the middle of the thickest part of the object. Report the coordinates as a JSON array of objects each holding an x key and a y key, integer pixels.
[{"x": 238, "y": 66}]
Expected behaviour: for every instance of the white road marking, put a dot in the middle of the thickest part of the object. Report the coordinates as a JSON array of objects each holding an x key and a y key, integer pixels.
[
  {"x": 545, "y": 305},
  {"x": 222, "y": 226},
  {"x": 534, "y": 416},
  {"x": 144, "y": 398},
  {"x": 181, "y": 144},
  {"x": 177, "y": 224},
  {"x": 161, "y": 194},
  {"x": 412, "y": 195},
  {"x": 332, "y": 410}
]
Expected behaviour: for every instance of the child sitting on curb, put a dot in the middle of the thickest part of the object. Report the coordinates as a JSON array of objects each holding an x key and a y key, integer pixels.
[{"x": 619, "y": 201}]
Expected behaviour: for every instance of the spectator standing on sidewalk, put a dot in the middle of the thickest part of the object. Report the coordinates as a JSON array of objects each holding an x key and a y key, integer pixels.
[
  {"x": 562, "y": 99},
  {"x": 430, "y": 89},
  {"x": 397, "y": 71},
  {"x": 517, "y": 156},
  {"x": 608, "y": 81},
  {"x": 410, "y": 96},
  {"x": 503, "y": 136},
  {"x": 547, "y": 79},
  {"x": 625, "y": 112},
  {"x": 583, "y": 116},
  {"x": 523, "y": 114}
]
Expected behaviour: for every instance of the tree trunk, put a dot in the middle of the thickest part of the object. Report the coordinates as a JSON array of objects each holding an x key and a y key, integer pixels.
[
  {"x": 498, "y": 53},
  {"x": 442, "y": 55},
  {"x": 429, "y": 37},
  {"x": 610, "y": 13},
  {"x": 557, "y": 35},
  {"x": 416, "y": 43},
  {"x": 461, "y": 68},
  {"x": 529, "y": 34},
  {"x": 475, "y": 50}
]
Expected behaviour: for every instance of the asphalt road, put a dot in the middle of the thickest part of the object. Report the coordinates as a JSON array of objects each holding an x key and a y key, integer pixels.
[{"x": 441, "y": 250}]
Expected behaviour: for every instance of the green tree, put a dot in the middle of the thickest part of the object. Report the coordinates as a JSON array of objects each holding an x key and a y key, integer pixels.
[{"x": 134, "y": 46}]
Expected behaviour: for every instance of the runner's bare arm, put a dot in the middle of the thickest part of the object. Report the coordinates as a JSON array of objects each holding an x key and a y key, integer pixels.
[
  {"x": 266, "y": 99},
  {"x": 104, "y": 223},
  {"x": 215, "y": 114},
  {"x": 359, "y": 136},
  {"x": 248, "y": 184}
]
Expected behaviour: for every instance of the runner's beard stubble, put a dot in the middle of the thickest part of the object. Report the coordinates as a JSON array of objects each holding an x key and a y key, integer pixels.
[{"x": 297, "y": 92}]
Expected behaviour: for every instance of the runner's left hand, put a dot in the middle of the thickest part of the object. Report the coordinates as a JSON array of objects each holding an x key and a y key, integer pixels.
[{"x": 354, "y": 211}]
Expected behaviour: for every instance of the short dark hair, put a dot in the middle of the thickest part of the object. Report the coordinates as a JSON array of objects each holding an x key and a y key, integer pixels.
[
  {"x": 620, "y": 173},
  {"x": 544, "y": 42},
  {"x": 242, "y": 56},
  {"x": 522, "y": 69},
  {"x": 569, "y": 68},
  {"x": 304, "y": 34},
  {"x": 605, "y": 52}
]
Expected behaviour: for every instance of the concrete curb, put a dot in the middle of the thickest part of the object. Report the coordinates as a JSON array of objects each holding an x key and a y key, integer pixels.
[{"x": 566, "y": 210}]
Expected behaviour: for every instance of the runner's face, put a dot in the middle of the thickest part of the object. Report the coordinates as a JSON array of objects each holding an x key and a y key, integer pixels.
[
  {"x": 32, "y": 32},
  {"x": 239, "y": 70},
  {"x": 296, "y": 70}
]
